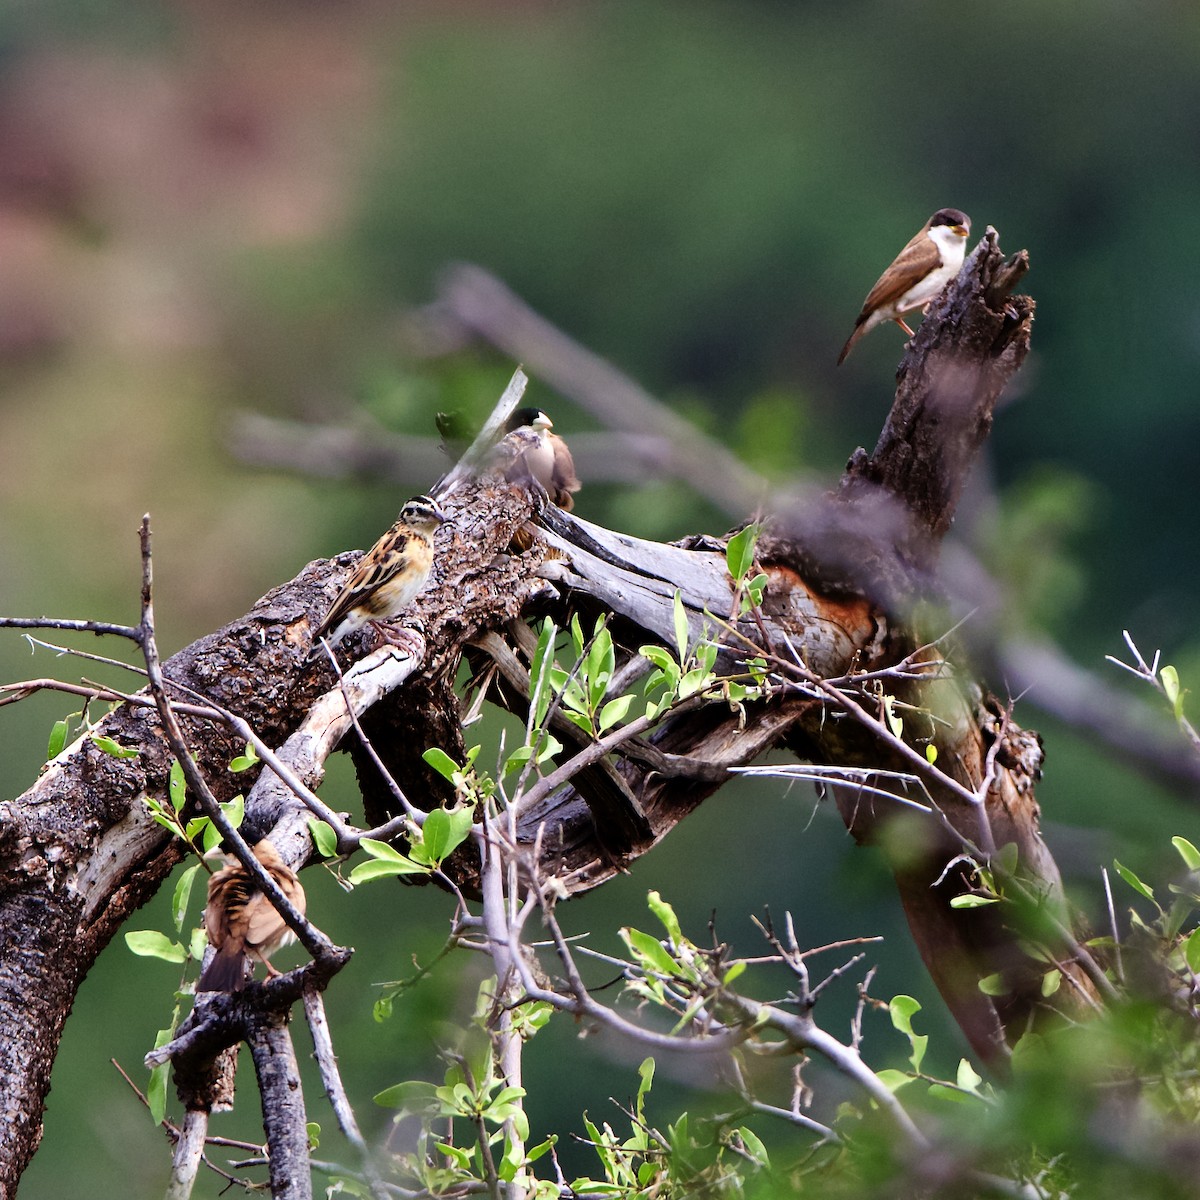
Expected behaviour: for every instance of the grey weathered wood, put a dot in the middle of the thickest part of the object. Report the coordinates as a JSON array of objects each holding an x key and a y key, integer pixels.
[{"x": 283, "y": 1111}]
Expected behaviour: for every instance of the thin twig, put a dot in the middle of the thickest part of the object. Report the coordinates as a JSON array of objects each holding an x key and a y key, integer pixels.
[{"x": 318, "y": 1024}]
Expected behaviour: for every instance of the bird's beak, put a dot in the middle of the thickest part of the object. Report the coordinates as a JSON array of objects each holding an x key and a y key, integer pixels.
[
  {"x": 439, "y": 512},
  {"x": 961, "y": 230}
]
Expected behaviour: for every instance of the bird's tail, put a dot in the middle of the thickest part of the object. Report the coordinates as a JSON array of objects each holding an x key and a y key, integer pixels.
[
  {"x": 859, "y": 330},
  {"x": 224, "y": 973}
]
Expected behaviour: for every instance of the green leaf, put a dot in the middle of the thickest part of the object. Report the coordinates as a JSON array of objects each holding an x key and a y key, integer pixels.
[
  {"x": 1191, "y": 951},
  {"x": 235, "y": 810},
  {"x": 324, "y": 838},
  {"x": 149, "y": 943},
  {"x": 58, "y": 739},
  {"x": 156, "y": 1089},
  {"x": 931, "y": 753},
  {"x": 381, "y": 850},
  {"x": 1188, "y": 852},
  {"x": 893, "y": 1080},
  {"x": 460, "y": 1156},
  {"x": 107, "y": 745},
  {"x": 212, "y": 837},
  {"x": 967, "y": 1077},
  {"x": 993, "y": 985},
  {"x": 1133, "y": 881},
  {"x": 681, "y": 627},
  {"x": 445, "y": 829},
  {"x": 1174, "y": 693},
  {"x": 1051, "y": 982},
  {"x": 756, "y": 588},
  {"x": 312, "y": 1130},
  {"x": 543, "y": 659},
  {"x": 662, "y": 658},
  {"x": 614, "y": 711},
  {"x": 245, "y": 761},
  {"x": 413, "y": 1094},
  {"x": 973, "y": 901},
  {"x": 577, "y": 638},
  {"x": 377, "y": 869},
  {"x": 197, "y": 943},
  {"x": 648, "y": 951},
  {"x": 542, "y": 1148},
  {"x": 942, "y": 1092},
  {"x": 694, "y": 681},
  {"x": 666, "y": 915},
  {"x": 754, "y": 1147},
  {"x": 1006, "y": 859},
  {"x": 646, "y": 1075},
  {"x": 385, "y": 860},
  {"x": 739, "y": 553},
  {"x": 181, "y": 895},
  {"x": 549, "y": 748},
  {"x": 441, "y": 762},
  {"x": 902, "y": 1010},
  {"x": 435, "y": 834},
  {"x": 177, "y": 785},
  {"x": 516, "y": 761},
  {"x": 600, "y": 664},
  {"x": 706, "y": 652},
  {"x": 194, "y": 826}
]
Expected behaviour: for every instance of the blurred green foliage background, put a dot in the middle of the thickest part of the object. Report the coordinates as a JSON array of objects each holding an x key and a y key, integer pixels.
[{"x": 208, "y": 208}]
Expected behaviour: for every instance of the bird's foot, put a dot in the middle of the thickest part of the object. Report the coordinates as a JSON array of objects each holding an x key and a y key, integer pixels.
[{"x": 411, "y": 641}]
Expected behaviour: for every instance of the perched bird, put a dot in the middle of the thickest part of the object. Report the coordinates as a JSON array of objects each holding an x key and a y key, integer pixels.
[
  {"x": 242, "y": 923},
  {"x": 917, "y": 275},
  {"x": 530, "y": 449},
  {"x": 389, "y": 576}
]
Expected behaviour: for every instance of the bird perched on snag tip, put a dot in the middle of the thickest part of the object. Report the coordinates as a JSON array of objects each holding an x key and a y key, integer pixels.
[
  {"x": 390, "y": 575},
  {"x": 242, "y": 923},
  {"x": 918, "y": 274}
]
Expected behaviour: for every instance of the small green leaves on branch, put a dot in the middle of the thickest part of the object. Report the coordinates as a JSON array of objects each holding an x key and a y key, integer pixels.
[
  {"x": 384, "y": 862},
  {"x": 199, "y": 833},
  {"x": 739, "y": 558},
  {"x": 245, "y": 761}
]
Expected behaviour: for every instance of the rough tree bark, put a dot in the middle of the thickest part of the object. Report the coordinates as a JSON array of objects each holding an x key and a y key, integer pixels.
[{"x": 79, "y": 852}]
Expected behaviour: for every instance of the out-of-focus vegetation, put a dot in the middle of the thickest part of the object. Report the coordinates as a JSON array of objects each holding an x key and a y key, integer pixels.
[{"x": 216, "y": 207}]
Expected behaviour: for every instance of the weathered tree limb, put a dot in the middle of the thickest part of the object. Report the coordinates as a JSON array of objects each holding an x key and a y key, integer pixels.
[
  {"x": 283, "y": 1110},
  {"x": 1113, "y": 719},
  {"x": 78, "y": 851}
]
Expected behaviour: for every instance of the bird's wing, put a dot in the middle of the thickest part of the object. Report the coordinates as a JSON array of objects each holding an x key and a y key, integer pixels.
[
  {"x": 225, "y": 911},
  {"x": 565, "y": 479},
  {"x": 381, "y": 563},
  {"x": 264, "y": 923},
  {"x": 915, "y": 261}
]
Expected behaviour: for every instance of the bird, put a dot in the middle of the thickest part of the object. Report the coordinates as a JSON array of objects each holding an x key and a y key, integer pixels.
[
  {"x": 242, "y": 923},
  {"x": 920, "y": 271},
  {"x": 390, "y": 575},
  {"x": 532, "y": 450}
]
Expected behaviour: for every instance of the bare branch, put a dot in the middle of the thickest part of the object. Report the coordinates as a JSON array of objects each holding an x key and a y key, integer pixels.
[{"x": 314, "y": 1010}]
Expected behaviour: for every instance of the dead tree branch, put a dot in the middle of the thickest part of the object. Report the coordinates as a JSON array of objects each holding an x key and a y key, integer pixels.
[{"x": 79, "y": 852}]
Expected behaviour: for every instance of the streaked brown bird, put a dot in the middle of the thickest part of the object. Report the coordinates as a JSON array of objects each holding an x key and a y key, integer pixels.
[
  {"x": 531, "y": 449},
  {"x": 917, "y": 275},
  {"x": 390, "y": 575},
  {"x": 242, "y": 924}
]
